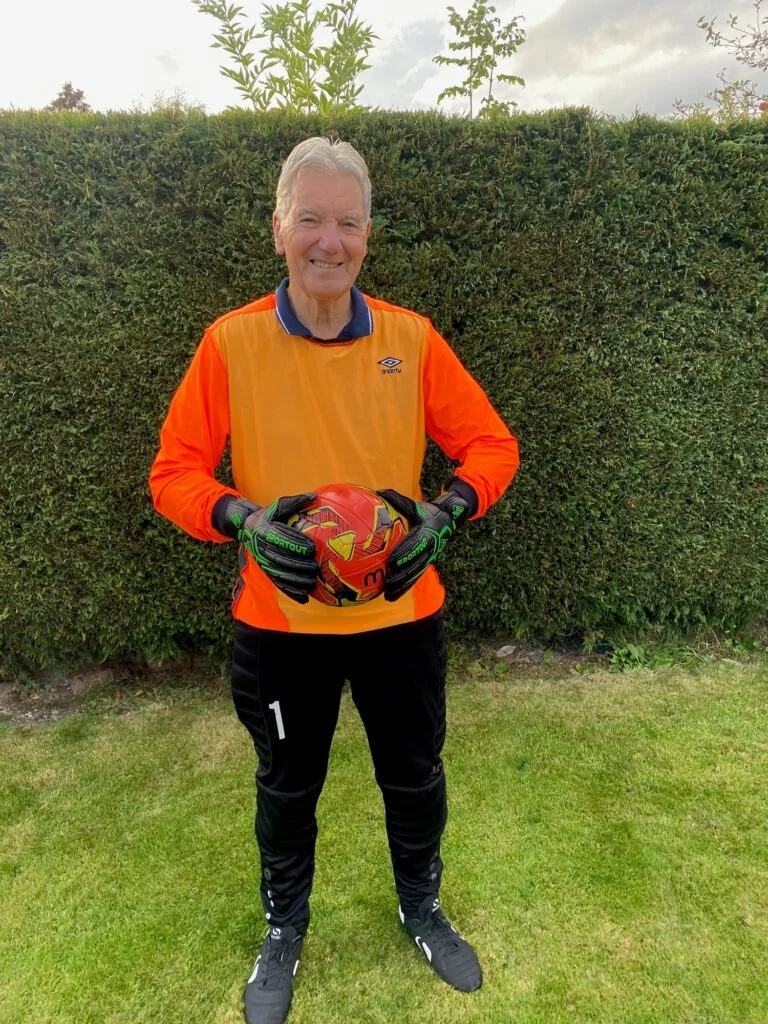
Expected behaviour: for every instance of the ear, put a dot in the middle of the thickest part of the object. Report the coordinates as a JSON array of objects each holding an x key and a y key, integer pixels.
[
  {"x": 278, "y": 233},
  {"x": 367, "y": 236}
]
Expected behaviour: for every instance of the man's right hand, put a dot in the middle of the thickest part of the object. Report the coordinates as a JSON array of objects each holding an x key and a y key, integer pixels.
[{"x": 283, "y": 553}]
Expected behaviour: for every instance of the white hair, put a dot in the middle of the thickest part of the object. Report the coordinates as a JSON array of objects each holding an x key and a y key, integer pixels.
[{"x": 325, "y": 155}]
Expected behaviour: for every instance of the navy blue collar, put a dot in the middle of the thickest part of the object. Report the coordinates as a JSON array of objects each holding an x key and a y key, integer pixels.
[{"x": 360, "y": 326}]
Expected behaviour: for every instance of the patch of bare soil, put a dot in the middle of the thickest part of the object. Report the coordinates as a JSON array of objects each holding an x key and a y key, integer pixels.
[
  {"x": 115, "y": 687},
  {"x": 527, "y": 658},
  {"x": 51, "y": 701},
  {"x": 520, "y": 656}
]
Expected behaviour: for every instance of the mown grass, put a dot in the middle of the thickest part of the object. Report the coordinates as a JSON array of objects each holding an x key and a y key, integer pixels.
[{"x": 607, "y": 853}]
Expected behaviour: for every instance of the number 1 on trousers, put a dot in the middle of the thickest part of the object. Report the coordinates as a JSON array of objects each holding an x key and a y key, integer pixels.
[{"x": 278, "y": 718}]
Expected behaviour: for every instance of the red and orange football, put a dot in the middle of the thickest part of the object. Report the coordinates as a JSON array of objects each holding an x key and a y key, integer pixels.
[{"x": 354, "y": 531}]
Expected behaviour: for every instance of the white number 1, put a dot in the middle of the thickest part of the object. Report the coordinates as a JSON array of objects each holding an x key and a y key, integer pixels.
[{"x": 279, "y": 719}]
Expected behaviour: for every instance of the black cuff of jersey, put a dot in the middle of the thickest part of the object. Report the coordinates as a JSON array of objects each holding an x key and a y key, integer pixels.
[
  {"x": 220, "y": 517},
  {"x": 465, "y": 491}
]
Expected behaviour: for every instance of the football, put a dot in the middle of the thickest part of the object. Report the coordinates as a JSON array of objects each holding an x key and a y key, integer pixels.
[{"x": 354, "y": 531}]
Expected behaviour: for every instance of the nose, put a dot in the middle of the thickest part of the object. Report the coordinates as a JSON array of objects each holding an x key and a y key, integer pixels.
[{"x": 329, "y": 240}]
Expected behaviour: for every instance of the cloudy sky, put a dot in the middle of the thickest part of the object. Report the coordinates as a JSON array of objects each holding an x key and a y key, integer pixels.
[{"x": 613, "y": 55}]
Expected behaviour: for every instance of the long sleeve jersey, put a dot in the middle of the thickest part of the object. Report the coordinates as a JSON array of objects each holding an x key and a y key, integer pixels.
[{"x": 300, "y": 413}]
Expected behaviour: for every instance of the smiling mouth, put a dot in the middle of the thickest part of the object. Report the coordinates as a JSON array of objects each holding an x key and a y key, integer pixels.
[{"x": 325, "y": 266}]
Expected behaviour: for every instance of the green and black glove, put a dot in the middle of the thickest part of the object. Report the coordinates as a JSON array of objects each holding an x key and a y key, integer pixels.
[
  {"x": 433, "y": 524},
  {"x": 283, "y": 553}
]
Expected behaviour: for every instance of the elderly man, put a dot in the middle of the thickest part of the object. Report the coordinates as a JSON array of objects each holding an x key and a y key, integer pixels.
[{"x": 316, "y": 384}]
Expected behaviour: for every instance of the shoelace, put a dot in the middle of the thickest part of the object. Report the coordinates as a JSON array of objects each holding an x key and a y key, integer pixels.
[
  {"x": 277, "y": 964},
  {"x": 443, "y": 935}
]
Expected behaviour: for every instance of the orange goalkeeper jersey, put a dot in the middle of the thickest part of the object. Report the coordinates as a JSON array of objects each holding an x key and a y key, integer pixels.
[{"x": 301, "y": 413}]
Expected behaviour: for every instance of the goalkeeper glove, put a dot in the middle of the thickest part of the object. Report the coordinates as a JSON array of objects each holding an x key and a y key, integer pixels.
[
  {"x": 283, "y": 553},
  {"x": 433, "y": 524}
]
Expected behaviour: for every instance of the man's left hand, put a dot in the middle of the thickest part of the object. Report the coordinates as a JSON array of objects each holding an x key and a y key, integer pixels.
[{"x": 433, "y": 524}]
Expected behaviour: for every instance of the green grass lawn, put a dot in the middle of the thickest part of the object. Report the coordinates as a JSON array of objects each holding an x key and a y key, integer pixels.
[{"x": 607, "y": 854}]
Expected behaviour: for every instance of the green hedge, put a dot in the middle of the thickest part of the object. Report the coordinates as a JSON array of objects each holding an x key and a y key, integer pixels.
[{"x": 606, "y": 282}]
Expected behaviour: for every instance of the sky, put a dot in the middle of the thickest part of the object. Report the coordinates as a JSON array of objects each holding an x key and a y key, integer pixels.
[{"x": 616, "y": 56}]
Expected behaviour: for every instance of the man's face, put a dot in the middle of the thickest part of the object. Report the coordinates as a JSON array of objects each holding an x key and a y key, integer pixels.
[{"x": 324, "y": 234}]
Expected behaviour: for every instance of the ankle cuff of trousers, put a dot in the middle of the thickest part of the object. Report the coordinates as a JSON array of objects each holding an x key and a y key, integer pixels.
[
  {"x": 286, "y": 830},
  {"x": 415, "y": 822}
]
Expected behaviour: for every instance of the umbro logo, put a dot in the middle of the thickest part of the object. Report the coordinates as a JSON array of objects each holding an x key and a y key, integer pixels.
[{"x": 390, "y": 364}]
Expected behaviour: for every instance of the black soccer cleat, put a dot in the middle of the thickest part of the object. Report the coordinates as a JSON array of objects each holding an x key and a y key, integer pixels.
[
  {"x": 450, "y": 956},
  {"x": 270, "y": 988}
]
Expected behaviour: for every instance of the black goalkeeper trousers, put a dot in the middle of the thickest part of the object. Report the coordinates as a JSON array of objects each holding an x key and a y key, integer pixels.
[{"x": 287, "y": 690}]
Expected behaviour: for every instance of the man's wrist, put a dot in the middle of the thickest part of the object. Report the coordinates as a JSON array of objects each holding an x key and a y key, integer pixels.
[
  {"x": 229, "y": 515},
  {"x": 466, "y": 493}
]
